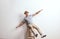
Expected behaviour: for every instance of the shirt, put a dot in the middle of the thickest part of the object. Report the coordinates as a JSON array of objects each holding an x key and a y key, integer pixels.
[{"x": 28, "y": 19}]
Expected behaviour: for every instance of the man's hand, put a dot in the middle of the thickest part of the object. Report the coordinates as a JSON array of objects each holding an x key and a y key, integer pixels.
[
  {"x": 17, "y": 26},
  {"x": 20, "y": 24},
  {"x": 38, "y": 12},
  {"x": 41, "y": 10}
]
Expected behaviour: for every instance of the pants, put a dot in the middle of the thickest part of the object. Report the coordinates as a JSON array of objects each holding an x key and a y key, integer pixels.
[
  {"x": 33, "y": 26},
  {"x": 30, "y": 28}
]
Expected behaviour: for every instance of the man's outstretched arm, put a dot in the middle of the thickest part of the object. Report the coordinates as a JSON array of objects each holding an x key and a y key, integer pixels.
[
  {"x": 20, "y": 24},
  {"x": 37, "y": 12}
]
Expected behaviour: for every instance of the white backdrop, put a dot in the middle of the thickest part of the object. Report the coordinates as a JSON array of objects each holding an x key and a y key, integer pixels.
[{"x": 11, "y": 13}]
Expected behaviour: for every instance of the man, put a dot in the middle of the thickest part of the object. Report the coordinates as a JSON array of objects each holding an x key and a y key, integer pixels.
[{"x": 29, "y": 23}]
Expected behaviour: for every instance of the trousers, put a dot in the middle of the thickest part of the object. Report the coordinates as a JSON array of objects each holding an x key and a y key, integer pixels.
[{"x": 29, "y": 31}]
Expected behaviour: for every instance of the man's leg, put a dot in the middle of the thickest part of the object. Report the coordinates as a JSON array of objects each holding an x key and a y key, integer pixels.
[
  {"x": 31, "y": 28},
  {"x": 39, "y": 31},
  {"x": 34, "y": 33}
]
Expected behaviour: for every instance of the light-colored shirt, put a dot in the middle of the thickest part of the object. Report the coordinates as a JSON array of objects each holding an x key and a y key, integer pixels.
[{"x": 28, "y": 19}]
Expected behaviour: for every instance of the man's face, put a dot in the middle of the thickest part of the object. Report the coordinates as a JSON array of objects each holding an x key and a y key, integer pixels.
[{"x": 26, "y": 14}]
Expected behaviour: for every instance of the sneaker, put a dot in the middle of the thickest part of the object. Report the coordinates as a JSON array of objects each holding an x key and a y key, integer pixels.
[
  {"x": 36, "y": 35},
  {"x": 43, "y": 36}
]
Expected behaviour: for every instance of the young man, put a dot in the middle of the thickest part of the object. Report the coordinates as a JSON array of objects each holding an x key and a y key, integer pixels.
[{"x": 29, "y": 23}]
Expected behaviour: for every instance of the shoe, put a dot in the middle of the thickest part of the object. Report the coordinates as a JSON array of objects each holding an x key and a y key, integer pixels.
[
  {"x": 36, "y": 35},
  {"x": 43, "y": 36}
]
